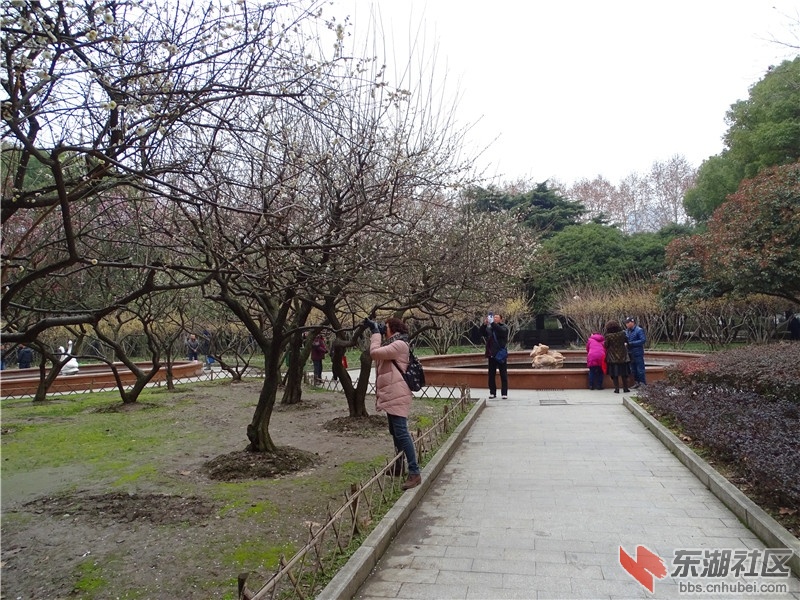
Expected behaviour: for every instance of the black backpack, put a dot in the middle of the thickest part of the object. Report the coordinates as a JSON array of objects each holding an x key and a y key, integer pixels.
[{"x": 414, "y": 375}]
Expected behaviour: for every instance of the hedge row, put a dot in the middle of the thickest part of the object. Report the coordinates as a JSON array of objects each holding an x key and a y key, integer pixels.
[
  {"x": 744, "y": 406},
  {"x": 771, "y": 370}
]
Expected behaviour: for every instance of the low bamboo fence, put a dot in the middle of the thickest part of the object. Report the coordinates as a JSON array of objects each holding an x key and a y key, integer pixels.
[{"x": 305, "y": 574}]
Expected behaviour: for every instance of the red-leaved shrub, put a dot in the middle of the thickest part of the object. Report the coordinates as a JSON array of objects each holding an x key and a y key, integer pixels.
[
  {"x": 771, "y": 370},
  {"x": 744, "y": 406}
]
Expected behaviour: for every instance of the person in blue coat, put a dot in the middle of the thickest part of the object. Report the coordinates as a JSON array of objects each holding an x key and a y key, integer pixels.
[
  {"x": 24, "y": 356},
  {"x": 636, "y": 340}
]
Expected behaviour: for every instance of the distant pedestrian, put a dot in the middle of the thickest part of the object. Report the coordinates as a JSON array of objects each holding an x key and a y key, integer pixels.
[
  {"x": 192, "y": 346},
  {"x": 495, "y": 332},
  {"x": 616, "y": 343},
  {"x": 24, "y": 356},
  {"x": 318, "y": 352},
  {"x": 596, "y": 360},
  {"x": 636, "y": 340},
  {"x": 207, "y": 348}
]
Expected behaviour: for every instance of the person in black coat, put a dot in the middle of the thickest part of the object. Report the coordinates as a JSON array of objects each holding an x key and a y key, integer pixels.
[{"x": 495, "y": 332}]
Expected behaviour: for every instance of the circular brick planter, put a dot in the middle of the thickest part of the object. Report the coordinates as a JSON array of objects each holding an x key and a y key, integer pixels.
[
  {"x": 471, "y": 370},
  {"x": 24, "y": 382}
]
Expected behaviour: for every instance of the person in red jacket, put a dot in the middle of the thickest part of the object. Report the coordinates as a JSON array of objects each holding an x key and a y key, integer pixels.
[
  {"x": 392, "y": 393},
  {"x": 596, "y": 360},
  {"x": 318, "y": 352}
]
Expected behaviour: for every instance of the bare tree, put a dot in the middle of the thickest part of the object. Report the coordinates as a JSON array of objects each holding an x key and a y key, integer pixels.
[
  {"x": 639, "y": 202},
  {"x": 669, "y": 182},
  {"x": 597, "y": 196}
]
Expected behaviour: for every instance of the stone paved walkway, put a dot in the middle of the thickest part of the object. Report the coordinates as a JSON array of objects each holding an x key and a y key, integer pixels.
[{"x": 538, "y": 499}]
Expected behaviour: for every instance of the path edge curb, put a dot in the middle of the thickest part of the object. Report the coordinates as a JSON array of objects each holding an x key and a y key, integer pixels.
[
  {"x": 355, "y": 571},
  {"x": 768, "y": 530}
]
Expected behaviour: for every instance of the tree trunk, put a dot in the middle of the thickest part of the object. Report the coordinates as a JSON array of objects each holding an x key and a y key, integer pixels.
[
  {"x": 44, "y": 383},
  {"x": 357, "y": 396},
  {"x": 168, "y": 375},
  {"x": 46, "y": 378},
  {"x": 293, "y": 392},
  {"x": 141, "y": 381},
  {"x": 258, "y": 430}
]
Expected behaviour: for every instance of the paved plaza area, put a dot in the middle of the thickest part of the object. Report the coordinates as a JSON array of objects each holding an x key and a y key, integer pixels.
[{"x": 539, "y": 497}]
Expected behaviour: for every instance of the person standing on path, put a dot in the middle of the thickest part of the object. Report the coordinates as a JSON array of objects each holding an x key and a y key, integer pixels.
[
  {"x": 318, "y": 352},
  {"x": 595, "y": 360},
  {"x": 392, "y": 393},
  {"x": 192, "y": 347},
  {"x": 24, "y": 356},
  {"x": 495, "y": 332},
  {"x": 616, "y": 343},
  {"x": 636, "y": 340}
]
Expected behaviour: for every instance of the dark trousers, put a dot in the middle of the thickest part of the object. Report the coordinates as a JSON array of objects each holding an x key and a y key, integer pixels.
[
  {"x": 317, "y": 370},
  {"x": 596, "y": 378},
  {"x": 493, "y": 367},
  {"x": 637, "y": 367},
  {"x": 398, "y": 427}
]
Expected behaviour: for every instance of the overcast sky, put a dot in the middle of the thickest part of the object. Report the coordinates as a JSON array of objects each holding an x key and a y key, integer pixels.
[{"x": 573, "y": 89}]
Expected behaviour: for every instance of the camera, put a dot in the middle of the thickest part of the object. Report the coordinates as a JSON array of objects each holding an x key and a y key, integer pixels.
[{"x": 382, "y": 328}]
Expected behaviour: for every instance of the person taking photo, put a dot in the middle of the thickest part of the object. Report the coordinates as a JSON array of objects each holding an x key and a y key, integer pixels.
[
  {"x": 495, "y": 332},
  {"x": 392, "y": 394}
]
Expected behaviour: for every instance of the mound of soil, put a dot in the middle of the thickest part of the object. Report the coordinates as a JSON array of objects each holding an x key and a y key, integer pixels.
[
  {"x": 258, "y": 465},
  {"x": 361, "y": 426}
]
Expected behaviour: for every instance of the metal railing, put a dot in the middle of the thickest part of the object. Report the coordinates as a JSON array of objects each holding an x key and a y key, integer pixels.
[
  {"x": 308, "y": 571},
  {"x": 429, "y": 392}
]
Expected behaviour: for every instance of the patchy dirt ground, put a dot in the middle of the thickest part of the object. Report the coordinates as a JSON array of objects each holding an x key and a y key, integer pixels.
[{"x": 189, "y": 528}]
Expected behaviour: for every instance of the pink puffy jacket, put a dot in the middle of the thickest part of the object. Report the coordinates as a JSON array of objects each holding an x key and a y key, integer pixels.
[
  {"x": 595, "y": 350},
  {"x": 393, "y": 394}
]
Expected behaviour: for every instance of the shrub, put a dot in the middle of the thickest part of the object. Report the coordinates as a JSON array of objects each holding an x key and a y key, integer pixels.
[
  {"x": 744, "y": 406},
  {"x": 769, "y": 370}
]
